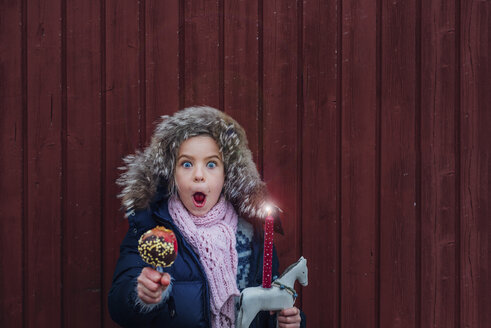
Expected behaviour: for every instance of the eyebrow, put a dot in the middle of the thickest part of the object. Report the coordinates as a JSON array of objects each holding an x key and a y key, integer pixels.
[{"x": 191, "y": 157}]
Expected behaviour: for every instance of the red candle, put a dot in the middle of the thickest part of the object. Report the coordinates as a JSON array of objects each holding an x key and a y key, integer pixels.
[{"x": 268, "y": 251}]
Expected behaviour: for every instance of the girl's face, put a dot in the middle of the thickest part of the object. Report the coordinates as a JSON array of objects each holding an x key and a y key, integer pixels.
[{"x": 199, "y": 174}]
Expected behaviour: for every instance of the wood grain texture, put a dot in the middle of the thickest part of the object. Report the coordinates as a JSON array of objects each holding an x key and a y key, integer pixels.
[
  {"x": 161, "y": 61},
  {"x": 202, "y": 53},
  {"x": 438, "y": 162},
  {"x": 475, "y": 120},
  {"x": 281, "y": 148},
  {"x": 82, "y": 290},
  {"x": 359, "y": 161},
  {"x": 241, "y": 68},
  {"x": 43, "y": 242},
  {"x": 320, "y": 151},
  {"x": 399, "y": 182},
  {"x": 12, "y": 189},
  {"x": 122, "y": 127}
]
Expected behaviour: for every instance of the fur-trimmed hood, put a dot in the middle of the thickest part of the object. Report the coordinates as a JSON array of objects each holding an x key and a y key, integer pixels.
[{"x": 146, "y": 171}]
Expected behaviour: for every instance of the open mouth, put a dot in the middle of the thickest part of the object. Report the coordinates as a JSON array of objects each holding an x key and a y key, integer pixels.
[{"x": 199, "y": 199}]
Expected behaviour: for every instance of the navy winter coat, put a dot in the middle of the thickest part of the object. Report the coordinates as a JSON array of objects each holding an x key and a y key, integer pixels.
[{"x": 189, "y": 301}]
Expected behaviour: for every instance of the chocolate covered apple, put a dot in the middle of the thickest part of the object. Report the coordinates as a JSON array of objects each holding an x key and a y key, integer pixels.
[{"x": 158, "y": 247}]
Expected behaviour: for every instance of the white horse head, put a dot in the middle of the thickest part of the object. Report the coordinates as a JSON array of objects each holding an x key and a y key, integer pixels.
[
  {"x": 296, "y": 271},
  {"x": 280, "y": 296}
]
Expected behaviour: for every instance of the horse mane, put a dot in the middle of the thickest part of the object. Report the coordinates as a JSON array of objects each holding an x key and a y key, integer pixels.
[{"x": 290, "y": 267}]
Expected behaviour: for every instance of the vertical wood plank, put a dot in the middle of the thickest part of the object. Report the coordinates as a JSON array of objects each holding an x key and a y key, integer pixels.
[
  {"x": 281, "y": 150},
  {"x": 162, "y": 61},
  {"x": 201, "y": 51},
  {"x": 44, "y": 165},
  {"x": 320, "y": 161},
  {"x": 359, "y": 177},
  {"x": 475, "y": 164},
  {"x": 82, "y": 292},
  {"x": 11, "y": 163},
  {"x": 399, "y": 182},
  {"x": 241, "y": 68},
  {"x": 438, "y": 184},
  {"x": 122, "y": 126}
]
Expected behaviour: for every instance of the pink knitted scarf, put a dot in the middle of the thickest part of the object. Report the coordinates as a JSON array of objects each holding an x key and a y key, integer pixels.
[{"x": 213, "y": 237}]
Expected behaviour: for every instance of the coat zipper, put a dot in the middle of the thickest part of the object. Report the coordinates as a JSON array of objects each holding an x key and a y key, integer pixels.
[{"x": 162, "y": 220}]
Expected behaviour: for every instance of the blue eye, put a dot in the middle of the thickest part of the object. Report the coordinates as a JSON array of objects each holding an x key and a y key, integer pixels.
[
  {"x": 186, "y": 165},
  {"x": 211, "y": 165}
]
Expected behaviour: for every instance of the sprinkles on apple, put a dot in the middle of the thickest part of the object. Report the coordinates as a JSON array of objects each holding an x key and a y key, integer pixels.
[{"x": 158, "y": 247}]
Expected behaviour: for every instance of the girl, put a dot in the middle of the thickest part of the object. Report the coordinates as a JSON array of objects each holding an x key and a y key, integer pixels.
[{"x": 197, "y": 178}]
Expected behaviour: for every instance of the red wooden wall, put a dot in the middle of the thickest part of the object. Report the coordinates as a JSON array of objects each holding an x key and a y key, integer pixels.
[{"x": 369, "y": 120}]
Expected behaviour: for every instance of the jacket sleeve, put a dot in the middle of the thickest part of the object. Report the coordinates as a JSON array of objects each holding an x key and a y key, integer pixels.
[{"x": 122, "y": 296}]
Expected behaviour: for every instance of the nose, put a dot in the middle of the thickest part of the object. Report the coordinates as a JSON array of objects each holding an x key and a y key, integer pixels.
[{"x": 198, "y": 174}]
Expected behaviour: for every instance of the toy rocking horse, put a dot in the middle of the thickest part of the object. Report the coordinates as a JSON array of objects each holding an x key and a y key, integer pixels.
[{"x": 280, "y": 296}]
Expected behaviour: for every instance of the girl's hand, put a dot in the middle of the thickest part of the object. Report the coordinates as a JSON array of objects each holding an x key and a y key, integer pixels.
[
  {"x": 151, "y": 284},
  {"x": 289, "y": 318}
]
